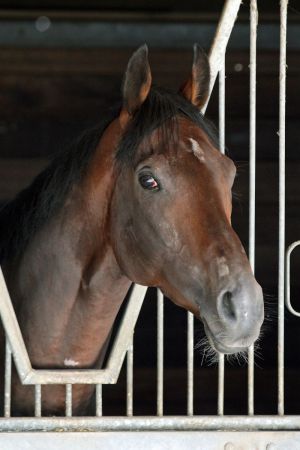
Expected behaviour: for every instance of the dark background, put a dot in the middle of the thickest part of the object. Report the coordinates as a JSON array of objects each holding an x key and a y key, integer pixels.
[{"x": 57, "y": 82}]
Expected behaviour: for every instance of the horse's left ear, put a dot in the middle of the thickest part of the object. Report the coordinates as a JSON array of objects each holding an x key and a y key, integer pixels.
[
  {"x": 196, "y": 88},
  {"x": 137, "y": 80}
]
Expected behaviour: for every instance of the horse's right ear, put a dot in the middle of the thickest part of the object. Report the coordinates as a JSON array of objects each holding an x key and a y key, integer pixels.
[{"x": 137, "y": 81}]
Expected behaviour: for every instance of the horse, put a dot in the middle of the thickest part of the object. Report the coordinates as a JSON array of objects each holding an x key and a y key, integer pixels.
[{"x": 145, "y": 198}]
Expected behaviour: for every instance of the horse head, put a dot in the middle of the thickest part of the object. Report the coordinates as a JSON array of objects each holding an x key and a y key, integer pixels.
[{"x": 171, "y": 207}]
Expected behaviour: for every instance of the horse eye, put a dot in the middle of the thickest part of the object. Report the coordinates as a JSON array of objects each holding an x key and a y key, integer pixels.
[{"x": 148, "y": 182}]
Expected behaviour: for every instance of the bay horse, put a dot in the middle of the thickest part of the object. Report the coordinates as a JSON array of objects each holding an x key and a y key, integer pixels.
[{"x": 143, "y": 198}]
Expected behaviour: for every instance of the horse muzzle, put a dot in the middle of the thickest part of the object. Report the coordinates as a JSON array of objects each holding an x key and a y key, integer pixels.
[{"x": 234, "y": 324}]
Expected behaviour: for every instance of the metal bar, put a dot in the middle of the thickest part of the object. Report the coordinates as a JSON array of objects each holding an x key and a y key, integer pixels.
[
  {"x": 221, "y": 364},
  {"x": 221, "y": 367},
  {"x": 129, "y": 400},
  {"x": 140, "y": 423},
  {"x": 12, "y": 331},
  {"x": 109, "y": 375},
  {"x": 222, "y": 107},
  {"x": 7, "y": 380},
  {"x": 37, "y": 400},
  {"x": 98, "y": 400},
  {"x": 68, "y": 400},
  {"x": 190, "y": 364},
  {"x": 160, "y": 353},
  {"x": 281, "y": 237},
  {"x": 252, "y": 179},
  {"x": 221, "y": 38},
  {"x": 288, "y": 278}
]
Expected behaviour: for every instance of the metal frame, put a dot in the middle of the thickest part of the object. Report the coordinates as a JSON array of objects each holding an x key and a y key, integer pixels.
[
  {"x": 288, "y": 304},
  {"x": 124, "y": 340},
  {"x": 109, "y": 375}
]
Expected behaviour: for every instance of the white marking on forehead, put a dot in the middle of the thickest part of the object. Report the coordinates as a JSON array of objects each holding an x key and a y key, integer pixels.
[
  {"x": 70, "y": 362},
  {"x": 198, "y": 152},
  {"x": 223, "y": 268}
]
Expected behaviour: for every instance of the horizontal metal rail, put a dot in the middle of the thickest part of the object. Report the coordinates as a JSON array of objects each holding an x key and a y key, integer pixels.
[{"x": 141, "y": 423}]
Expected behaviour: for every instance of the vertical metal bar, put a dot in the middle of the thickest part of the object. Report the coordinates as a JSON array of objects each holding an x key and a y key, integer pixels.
[
  {"x": 281, "y": 236},
  {"x": 190, "y": 364},
  {"x": 221, "y": 385},
  {"x": 222, "y": 107},
  {"x": 129, "y": 403},
  {"x": 252, "y": 178},
  {"x": 7, "y": 380},
  {"x": 98, "y": 400},
  {"x": 37, "y": 400},
  {"x": 160, "y": 352},
  {"x": 68, "y": 400},
  {"x": 221, "y": 364}
]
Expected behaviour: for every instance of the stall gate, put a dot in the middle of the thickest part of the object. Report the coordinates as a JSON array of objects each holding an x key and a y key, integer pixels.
[{"x": 161, "y": 431}]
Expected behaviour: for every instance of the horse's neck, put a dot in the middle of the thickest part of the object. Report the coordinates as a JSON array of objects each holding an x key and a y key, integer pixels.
[{"x": 68, "y": 287}]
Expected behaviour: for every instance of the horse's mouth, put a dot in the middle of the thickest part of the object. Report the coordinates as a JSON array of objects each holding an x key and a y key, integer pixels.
[{"x": 219, "y": 346}]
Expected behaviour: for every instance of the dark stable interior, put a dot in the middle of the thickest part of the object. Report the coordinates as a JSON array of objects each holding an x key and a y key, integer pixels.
[{"x": 52, "y": 90}]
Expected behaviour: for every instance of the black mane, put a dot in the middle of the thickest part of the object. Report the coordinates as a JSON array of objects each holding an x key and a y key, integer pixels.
[{"x": 35, "y": 205}]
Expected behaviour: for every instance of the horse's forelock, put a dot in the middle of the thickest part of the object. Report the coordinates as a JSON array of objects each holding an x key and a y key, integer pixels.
[{"x": 160, "y": 111}]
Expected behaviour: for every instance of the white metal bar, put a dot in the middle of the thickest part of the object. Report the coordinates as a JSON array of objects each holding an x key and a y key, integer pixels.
[
  {"x": 281, "y": 237},
  {"x": 98, "y": 400},
  {"x": 141, "y": 423},
  {"x": 222, "y": 107},
  {"x": 129, "y": 399},
  {"x": 68, "y": 400},
  {"x": 160, "y": 353},
  {"x": 252, "y": 179},
  {"x": 109, "y": 375},
  {"x": 37, "y": 400},
  {"x": 12, "y": 331},
  {"x": 221, "y": 38},
  {"x": 288, "y": 279},
  {"x": 221, "y": 367},
  {"x": 190, "y": 364},
  {"x": 221, "y": 363},
  {"x": 7, "y": 379}
]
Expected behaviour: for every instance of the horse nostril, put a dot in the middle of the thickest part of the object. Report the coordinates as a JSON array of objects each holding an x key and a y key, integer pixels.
[{"x": 228, "y": 306}]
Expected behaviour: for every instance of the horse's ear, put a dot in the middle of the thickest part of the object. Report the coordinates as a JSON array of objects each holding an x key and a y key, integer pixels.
[
  {"x": 196, "y": 88},
  {"x": 137, "y": 80}
]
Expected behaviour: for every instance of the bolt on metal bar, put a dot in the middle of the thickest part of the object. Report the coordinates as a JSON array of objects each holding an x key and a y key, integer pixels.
[
  {"x": 37, "y": 400},
  {"x": 7, "y": 379},
  {"x": 160, "y": 352},
  {"x": 190, "y": 364},
  {"x": 129, "y": 389},
  {"x": 281, "y": 236},
  {"x": 221, "y": 364},
  {"x": 221, "y": 38},
  {"x": 252, "y": 179},
  {"x": 68, "y": 400},
  {"x": 288, "y": 304},
  {"x": 98, "y": 400}
]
